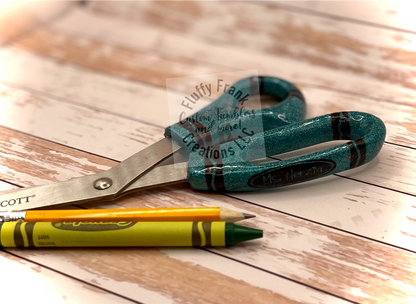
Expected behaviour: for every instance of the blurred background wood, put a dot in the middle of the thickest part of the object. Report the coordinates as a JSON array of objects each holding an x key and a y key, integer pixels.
[
  {"x": 86, "y": 86},
  {"x": 18, "y": 17}
]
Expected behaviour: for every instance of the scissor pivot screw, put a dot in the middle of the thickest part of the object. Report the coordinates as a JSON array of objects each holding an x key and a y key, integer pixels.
[{"x": 103, "y": 183}]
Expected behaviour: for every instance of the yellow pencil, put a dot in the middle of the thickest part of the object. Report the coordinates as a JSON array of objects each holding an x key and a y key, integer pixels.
[{"x": 136, "y": 215}]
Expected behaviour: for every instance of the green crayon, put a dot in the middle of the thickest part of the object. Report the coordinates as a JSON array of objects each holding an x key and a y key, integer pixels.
[{"x": 123, "y": 234}]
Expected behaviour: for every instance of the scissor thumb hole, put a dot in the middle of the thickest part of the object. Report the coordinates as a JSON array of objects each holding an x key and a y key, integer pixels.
[{"x": 357, "y": 127}]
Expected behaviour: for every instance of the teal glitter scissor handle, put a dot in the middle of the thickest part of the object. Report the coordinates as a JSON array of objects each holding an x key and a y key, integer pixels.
[
  {"x": 235, "y": 173},
  {"x": 228, "y": 118}
]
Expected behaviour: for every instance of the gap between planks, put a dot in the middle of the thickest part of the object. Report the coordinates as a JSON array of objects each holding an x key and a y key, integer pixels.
[
  {"x": 379, "y": 14},
  {"x": 321, "y": 42},
  {"x": 37, "y": 277},
  {"x": 348, "y": 240},
  {"x": 39, "y": 127},
  {"x": 126, "y": 91},
  {"x": 68, "y": 36}
]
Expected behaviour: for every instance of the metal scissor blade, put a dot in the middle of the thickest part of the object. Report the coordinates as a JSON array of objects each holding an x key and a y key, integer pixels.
[
  {"x": 78, "y": 190},
  {"x": 129, "y": 170},
  {"x": 158, "y": 177},
  {"x": 107, "y": 185}
]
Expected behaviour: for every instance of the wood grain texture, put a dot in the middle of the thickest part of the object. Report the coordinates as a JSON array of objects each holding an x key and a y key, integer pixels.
[
  {"x": 20, "y": 274},
  {"x": 388, "y": 214},
  {"x": 99, "y": 38},
  {"x": 395, "y": 171},
  {"x": 394, "y": 14},
  {"x": 315, "y": 255},
  {"x": 316, "y": 41},
  {"x": 172, "y": 276},
  {"x": 96, "y": 81},
  {"x": 18, "y": 18},
  {"x": 149, "y": 102},
  {"x": 187, "y": 273}
]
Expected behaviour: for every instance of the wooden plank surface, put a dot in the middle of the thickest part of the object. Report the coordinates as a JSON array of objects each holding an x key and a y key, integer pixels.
[
  {"x": 390, "y": 215},
  {"x": 90, "y": 88},
  {"x": 98, "y": 89},
  {"x": 371, "y": 54},
  {"x": 283, "y": 251},
  {"x": 375, "y": 210},
  {"x": 32, "y": 15},
  {"x": 393, "y": 14},
  {"x": 36, "y": 280},
  {"x": 71, "y": 163}
]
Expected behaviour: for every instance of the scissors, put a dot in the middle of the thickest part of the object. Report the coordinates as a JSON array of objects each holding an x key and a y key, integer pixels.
[{"x": 221, "y": 150}]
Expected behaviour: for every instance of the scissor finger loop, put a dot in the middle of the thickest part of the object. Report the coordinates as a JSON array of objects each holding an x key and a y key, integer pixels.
[{"x": 220, "y": 150}]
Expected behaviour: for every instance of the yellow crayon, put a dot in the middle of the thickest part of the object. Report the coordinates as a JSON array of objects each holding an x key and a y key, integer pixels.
[{"x": 123, "y": 234}]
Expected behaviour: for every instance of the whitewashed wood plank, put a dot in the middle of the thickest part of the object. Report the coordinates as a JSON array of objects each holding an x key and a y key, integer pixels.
[
  {"x": 334, "y": 261},
  {"x": 400, "y": 120},
  {"x": 20, "y": 17},
  {"x": 5, "y": 186},
  {"x": 67, "y": 123},
  {"x": 354, "y": 292},
  {"x": 362, "y": 209},
  {"x": 394, "y": 168},
  {"x": 24, "y": 282},
  {"x": 192, "y": 276},
  {"x": 118, "y": 138},
  {"x": 392, "y": 14},
  {"x": 94, "y": 41},
  {"x": 145, "y": 287},
  {"x": 34, "y": 162},
  {"x": 348, "y": 48},
  {"x": 150, "y": 104}
]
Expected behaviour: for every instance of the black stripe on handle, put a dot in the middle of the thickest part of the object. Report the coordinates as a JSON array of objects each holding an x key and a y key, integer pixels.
[
  {"x": 298, "y": 94},
  {"x": 360, "y": 143},
  {"x": 358, "y": 152},
  {"x": 219, "y": 178},
  {"x": 340, "y": 123},
  {"x": 261, "y": 85}
]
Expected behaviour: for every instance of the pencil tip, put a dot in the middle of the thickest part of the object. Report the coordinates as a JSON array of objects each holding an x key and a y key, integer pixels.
[{"x": 248, "y": 215}]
